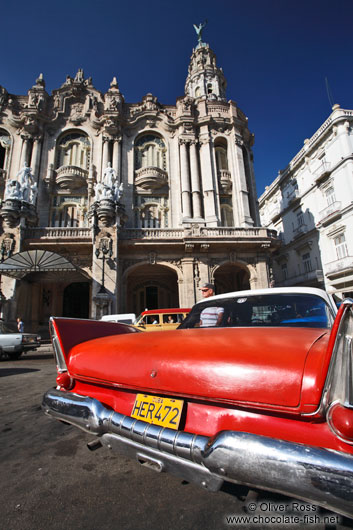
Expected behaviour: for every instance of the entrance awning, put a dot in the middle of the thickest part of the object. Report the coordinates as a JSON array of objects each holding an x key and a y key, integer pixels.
[{"x": 23, "y": 263}]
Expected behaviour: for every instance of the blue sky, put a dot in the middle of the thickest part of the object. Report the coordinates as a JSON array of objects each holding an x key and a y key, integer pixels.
[{"x": 275, "y": 55}]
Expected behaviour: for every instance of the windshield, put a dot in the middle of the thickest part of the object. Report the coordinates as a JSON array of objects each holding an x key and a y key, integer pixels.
[{"x": 294, "y": 310}]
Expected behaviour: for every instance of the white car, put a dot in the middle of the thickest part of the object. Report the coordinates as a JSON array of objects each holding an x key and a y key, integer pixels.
[{"x": 13, "y": 344}]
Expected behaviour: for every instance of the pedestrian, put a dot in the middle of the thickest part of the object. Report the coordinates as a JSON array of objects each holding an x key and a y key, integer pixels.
[
  {"x": 20, "y": 325},
  {"x": 210, "y": 316}
]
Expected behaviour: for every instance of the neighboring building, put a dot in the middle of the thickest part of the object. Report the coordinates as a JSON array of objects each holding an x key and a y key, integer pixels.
[
  {"x": 310, "y": 204},
  {"x": 115, "y": 207}
]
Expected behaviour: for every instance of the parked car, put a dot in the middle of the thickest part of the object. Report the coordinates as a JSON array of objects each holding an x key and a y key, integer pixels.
[
  {"x": 123, "y": 318},
  {"x": 161, "y": 319},
  {"x": 13, "y": 343},
  {"x": 264, "y": 400}
]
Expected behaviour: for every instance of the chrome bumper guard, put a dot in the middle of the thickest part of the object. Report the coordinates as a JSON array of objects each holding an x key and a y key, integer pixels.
[{"x": 319, "y": 476}]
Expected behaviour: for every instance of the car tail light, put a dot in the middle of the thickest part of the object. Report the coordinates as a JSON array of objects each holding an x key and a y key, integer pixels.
[
  {"x": 340, "y": 420},
  {"x": 64, "y": 381}
]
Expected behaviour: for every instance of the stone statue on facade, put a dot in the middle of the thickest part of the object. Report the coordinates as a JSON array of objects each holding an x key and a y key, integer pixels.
[
  {"x": 24, "y": 188},
  {"x": 13, "y": 190},
  {"x": 24, "y": 176},
  {"x": 109, "y": 176},
  {"x": 119, "y": 191},
  {"x": 199, "y": 30},
  {"x": 108, "y": 188}
]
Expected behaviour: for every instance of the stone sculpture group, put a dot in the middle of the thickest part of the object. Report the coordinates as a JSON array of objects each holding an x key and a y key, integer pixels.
[
  {"x": 24, "y": 188},
  {"x": 108, "y": 188}
]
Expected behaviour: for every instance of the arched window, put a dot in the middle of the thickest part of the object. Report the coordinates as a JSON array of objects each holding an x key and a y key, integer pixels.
[
  {"x": 223, "y": 173},
  {"x": 151, "y": 211},
  {"x": 74, "y": 150},
  {"x": 221, "y": 158},
  {"x": 151, "y": 216},
  {"x": 5, "y": 144},
  {"x": 150, "y": 151},
  {"x": 197, "y": 92},
  {"x": 227, "y": 215},
  {"x": 68, "y": 211}
]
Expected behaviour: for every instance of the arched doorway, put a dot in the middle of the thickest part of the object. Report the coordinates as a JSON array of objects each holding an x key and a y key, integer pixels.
[
  {"x": 231, "y": 277},
  {"x": 76, "y": 300},
  {"x": 151, "y": 287}
]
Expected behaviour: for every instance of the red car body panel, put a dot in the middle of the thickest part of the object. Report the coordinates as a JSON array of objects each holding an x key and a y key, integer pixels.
[{"x": 234, "y": 370}]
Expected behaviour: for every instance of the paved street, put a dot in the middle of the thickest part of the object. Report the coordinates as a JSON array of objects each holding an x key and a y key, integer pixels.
[{"x": 49, "y": 479}]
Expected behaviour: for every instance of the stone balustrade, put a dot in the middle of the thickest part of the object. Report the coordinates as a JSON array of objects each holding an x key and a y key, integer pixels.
[
  {"x": 335, "y": 207},
  {"x": 58, "y": 233},
  {"x": 196, "y": 232},
  {"x": 153, "y": 234},
  {"x": 340, "y": 267}
]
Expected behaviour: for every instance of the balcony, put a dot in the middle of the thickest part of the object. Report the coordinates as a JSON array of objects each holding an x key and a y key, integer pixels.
[
  {"x": 199, "y": 235},
  {"x": 340, "y": 267},
  {"x": 275, "y": 212},
  {"x": 330, "y": 213},
  {"x": 293, "y": 196},
  {"x": 322, "y": 172},
  {"x": 300, "y": 230},
  {"x": 225, "y": 180},
  {"x": 151, "y": 178},
  {"x": 58, "y": 234},
  {"x": 71, "y": 177},
  {"x": 314, "y": 277}
]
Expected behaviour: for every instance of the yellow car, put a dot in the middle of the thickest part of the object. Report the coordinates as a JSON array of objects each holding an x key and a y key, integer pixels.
[{"x": 161, "y": 319}]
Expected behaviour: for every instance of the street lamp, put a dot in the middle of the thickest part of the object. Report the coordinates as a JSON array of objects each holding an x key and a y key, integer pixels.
[{"x": 103, "y": 252}]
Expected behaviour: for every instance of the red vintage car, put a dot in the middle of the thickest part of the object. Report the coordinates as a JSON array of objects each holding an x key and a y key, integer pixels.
[{"x": 265, "y": 399}]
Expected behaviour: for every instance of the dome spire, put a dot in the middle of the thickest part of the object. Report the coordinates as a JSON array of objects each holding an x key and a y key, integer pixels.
[{"x": 205, "y": 80}]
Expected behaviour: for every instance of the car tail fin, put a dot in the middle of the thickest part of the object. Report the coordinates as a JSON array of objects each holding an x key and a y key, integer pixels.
[
  {"x": 339, "y": 382},
  {"x": 68, "y": 332}
]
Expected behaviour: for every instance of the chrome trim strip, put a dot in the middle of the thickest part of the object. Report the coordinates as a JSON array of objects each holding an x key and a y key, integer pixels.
[{"x": 316, "y": 475}]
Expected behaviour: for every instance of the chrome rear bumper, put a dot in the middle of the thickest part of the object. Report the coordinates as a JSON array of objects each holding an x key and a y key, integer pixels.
[{"x": 316, "y": 475}]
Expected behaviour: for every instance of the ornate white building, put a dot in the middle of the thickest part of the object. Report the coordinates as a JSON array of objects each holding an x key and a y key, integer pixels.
[
  {"x": 310, "y": 205},
  {"x": 110, "y": 206}
]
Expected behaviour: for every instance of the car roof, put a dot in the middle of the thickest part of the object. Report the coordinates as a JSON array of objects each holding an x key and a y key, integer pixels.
[
  {"x": 271, "y": 290},
  {"x": 169, "y": 310}
]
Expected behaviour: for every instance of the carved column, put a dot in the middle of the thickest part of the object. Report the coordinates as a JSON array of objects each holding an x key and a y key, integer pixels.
[
  {"x": 243, "y": 194},
  {"x": 117, "y": 156},
  {"x": 105, "y": 158},
  {"x": 208, "y": 181},
  {"x": 35, "y": 159},
  {"x": 26, "y": 139},
  {"x": 185, "y": 180},
  {"x": 187, "y": 295},
  {"x": 195, "y": 181}
]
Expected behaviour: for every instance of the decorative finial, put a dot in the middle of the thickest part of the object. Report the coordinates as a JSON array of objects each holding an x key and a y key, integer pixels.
[
  {"x": 199, "y": 30},
  {"x": 40, "y": 81},
  {"x": 114, "y": 83}
]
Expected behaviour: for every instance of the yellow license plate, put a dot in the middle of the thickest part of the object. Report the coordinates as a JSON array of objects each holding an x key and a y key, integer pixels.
[{"x": 165, "y": 412}]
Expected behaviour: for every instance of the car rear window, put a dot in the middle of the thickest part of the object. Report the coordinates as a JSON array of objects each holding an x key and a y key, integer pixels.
[{"x": 292, "y": 310}]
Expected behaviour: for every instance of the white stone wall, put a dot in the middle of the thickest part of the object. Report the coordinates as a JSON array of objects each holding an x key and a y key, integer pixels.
[{"x": 310, "y": 204}]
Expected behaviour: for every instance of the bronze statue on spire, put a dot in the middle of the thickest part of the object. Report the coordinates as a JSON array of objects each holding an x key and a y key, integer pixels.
[{"x": 199, "y": 30}]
